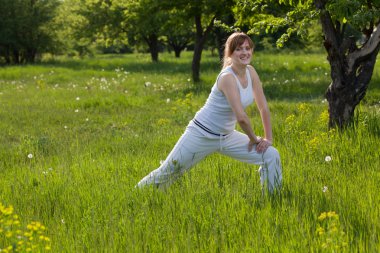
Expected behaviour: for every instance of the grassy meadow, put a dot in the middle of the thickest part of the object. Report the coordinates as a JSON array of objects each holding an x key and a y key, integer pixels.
[{"x": 77, "y": 135}]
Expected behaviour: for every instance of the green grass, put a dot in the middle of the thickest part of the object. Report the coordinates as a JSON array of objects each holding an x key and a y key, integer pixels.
[{"x": 96, "y": 126}]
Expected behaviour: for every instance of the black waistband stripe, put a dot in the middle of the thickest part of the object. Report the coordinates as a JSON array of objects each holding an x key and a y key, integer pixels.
[{"x": 206, "y": 129}]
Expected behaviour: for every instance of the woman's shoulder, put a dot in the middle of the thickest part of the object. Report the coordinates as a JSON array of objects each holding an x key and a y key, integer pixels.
[
  {"x": 225, "y": 76},
  {"x": 251, "y": 68},
  {"x": 252, "y": 71}
]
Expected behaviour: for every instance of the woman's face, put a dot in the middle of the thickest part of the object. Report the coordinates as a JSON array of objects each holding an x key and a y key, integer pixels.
[{"x": 242, "y": 55}]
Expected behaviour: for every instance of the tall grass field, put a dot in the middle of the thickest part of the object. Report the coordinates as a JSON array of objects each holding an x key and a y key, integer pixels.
[{"x": 76, "y": 135}]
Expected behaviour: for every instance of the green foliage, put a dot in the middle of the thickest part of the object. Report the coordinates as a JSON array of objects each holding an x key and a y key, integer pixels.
[
  {"x": 296, "y": 17},
  {"x": 26, "y": 29}
]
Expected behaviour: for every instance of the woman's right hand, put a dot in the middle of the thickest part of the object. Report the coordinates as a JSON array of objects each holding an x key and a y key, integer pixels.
[
  {"x": 251, "y": 143},
  {"x": 263, "y": 145}
]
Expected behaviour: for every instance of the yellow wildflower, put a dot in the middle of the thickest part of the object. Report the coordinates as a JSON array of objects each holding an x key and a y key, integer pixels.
[
  {"x": 320, "y": 231},
  {"x": 290, "y": 119},
  {"x": 304, "y": 108},
  {"x": 332, "y": 214},
  {"x": 322, "y": 216},
  {"x": 324, "y": 117}
]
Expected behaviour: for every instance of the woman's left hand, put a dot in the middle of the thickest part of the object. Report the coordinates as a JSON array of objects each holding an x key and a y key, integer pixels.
[{"x": 262, "y": 146}]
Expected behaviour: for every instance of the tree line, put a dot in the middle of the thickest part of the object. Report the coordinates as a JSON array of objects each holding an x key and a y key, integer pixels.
[{"x": 349, "y": 30}]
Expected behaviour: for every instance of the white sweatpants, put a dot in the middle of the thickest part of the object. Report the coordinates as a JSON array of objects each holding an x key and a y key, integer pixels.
[{"x": 195, "y": 144}]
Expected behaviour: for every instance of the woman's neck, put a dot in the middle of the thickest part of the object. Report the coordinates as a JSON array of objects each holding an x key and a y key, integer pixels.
[{"x": 239, "y": 70}]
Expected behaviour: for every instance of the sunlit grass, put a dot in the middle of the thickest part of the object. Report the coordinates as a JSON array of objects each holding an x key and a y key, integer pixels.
[{"x": 77, "y": 135}]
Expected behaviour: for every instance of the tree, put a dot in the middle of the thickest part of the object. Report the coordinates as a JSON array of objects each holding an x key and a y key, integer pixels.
[
  {"x": 204, "y": 13},
  {"x": 144, "y": 19},
  {"x": 178, "y": 30},
  {"x": 26, "y": 29},
  {"x": 351, "y": 32},
  {"x": 114, "y": 23},
  {"x": 92, "y": 22}
]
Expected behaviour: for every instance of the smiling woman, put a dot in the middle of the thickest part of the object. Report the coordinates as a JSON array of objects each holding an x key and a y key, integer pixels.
[{"x": 213, "y": 127}]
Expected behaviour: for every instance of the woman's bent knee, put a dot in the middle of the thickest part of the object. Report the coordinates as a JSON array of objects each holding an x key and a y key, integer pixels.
[{"x": 271, "y": 153}]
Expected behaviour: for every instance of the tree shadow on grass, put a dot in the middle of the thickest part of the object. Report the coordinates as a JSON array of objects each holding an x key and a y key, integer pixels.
[
  {"x": 168, "y": 65},
  {"x": 128, "y": 63}
]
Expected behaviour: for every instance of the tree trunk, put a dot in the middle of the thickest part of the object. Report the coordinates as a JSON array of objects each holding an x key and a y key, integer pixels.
[
  {"x": 30, "y": 55},
  {"x": 200, "y": 40},
  {"x": 16, "y": 56},
  {"x": 221, "y": 36},
  {"x": 152, "y": 41},
  {"x": 351, "y": 68},
  {"x": 347, "y": 90},
  {"x": 178, "y": 43},
  {"x": 196, "y": 64},
  {"x": 7, "y": 55},
  {"x": 177, "y": 52}
]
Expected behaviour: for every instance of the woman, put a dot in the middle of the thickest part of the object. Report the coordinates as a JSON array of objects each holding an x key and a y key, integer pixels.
[{"x": 213, "y": 127}]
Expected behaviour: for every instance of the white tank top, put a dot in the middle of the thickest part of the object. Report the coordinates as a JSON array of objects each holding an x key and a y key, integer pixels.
[{"x": 216, "y": 114}]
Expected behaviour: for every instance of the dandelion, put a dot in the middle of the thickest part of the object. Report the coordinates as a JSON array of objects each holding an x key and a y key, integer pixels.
[
  {"x": 30, "y": 156},
  {"x": 328, "y": 158}
]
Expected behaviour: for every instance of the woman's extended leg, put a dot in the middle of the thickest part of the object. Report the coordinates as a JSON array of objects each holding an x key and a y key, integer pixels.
[{"x": 192, "y": 147}]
